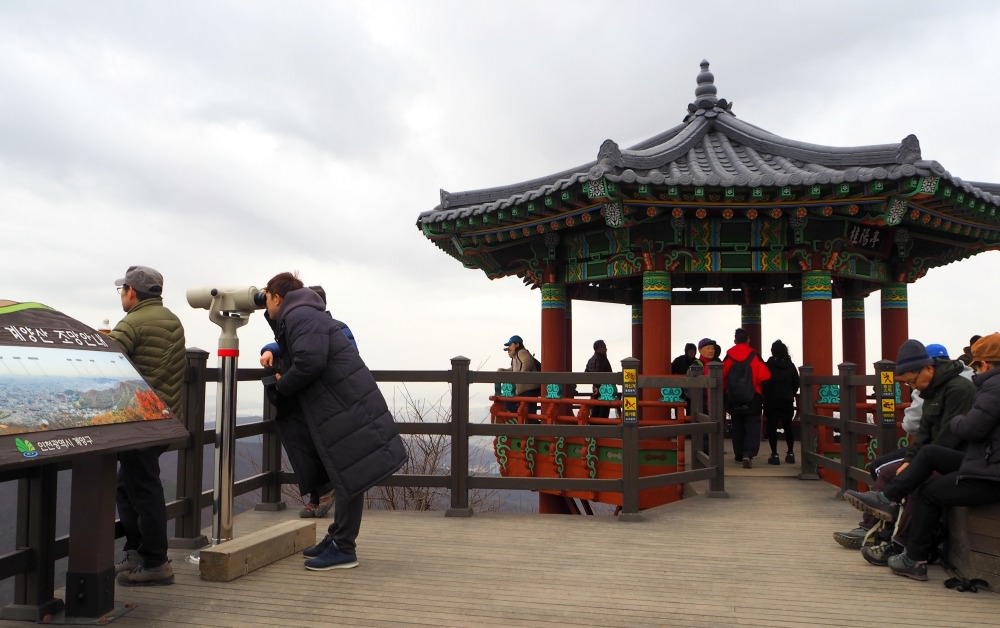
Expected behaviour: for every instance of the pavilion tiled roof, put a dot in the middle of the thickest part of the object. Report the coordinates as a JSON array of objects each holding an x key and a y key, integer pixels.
[{"x": 712, "y": 147}]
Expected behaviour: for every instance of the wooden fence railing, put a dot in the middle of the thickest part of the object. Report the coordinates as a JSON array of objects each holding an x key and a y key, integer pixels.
[{"x": 31, "y": 565}]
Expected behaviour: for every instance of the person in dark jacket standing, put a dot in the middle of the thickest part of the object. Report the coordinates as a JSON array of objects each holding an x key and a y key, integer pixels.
[
  {"x": 683, "y": 362},
  {"x": 779, "y": 400},
  {"x": 599, "y": 363},
  {"x": 746, "y": 416},
  {"x": 346, "y": 415},
  {"x": 153, "y": 338},
  {"x": 969, "y": 478}
]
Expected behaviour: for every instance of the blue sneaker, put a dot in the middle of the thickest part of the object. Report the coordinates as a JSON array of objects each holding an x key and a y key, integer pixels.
[
  {"x": 332, "y": 558},
  {"x": 315, "y": 550}
]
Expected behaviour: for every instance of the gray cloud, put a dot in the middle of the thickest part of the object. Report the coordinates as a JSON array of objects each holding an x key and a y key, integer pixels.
[{"x": 223, "y": 141}]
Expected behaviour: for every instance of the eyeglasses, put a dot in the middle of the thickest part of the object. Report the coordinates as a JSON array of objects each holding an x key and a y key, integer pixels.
[{"x": 122, "y": 288}]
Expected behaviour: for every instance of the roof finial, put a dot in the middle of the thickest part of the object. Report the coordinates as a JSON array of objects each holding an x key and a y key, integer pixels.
[
  {"x": 705, "y": 103},
  {"x": 705, "y": 93}
]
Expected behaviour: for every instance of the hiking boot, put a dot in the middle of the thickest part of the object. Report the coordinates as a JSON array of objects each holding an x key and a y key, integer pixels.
[
  {"x": 774, "y": 459},
  {"x": 147, "y": 576},
  {"x": 880, "y": 554},
  {"x": 874, "y": 503},
  {"x": 790, "y": 458},
  {"x": 851, "y": 540},
  {"x": 325, "y": 504},
  {"x": 748, "y": 463},
  {"x": 309, "y": 510},
  {"x": 131, "y": 561},
  {"x": 318, "y": 510},
  {"x": 315, "y": 550},
  {"x": 332, "y": 558},
  {"x": 903, "y": 565}
]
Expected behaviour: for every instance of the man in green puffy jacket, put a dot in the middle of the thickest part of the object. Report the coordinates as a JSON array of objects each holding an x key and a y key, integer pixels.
[{"x": 153, "y": 338}]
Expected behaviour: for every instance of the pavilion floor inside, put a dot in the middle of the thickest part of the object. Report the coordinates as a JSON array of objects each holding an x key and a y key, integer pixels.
[{"x": 764, "y": 556}]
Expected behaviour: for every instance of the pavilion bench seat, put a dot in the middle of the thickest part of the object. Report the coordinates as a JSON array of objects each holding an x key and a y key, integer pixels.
[{"x": 974, "y": 542}]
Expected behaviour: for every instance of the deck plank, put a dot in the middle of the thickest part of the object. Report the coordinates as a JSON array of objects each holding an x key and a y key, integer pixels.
[{"x": 762, "y": 557}]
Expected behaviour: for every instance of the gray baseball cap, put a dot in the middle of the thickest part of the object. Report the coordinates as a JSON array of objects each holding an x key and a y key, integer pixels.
[{"x": 142, "y": 279}]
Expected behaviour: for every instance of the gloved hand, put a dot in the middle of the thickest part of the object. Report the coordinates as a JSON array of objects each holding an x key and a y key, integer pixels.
[{"x": 271, "y": 389}]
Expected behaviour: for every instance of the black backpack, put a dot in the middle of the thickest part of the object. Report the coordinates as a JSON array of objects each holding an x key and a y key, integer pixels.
[{"x": 739, "y": 383}]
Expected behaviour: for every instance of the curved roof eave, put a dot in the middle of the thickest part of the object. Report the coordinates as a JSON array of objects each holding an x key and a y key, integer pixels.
[{"x": 714, "y": 147}]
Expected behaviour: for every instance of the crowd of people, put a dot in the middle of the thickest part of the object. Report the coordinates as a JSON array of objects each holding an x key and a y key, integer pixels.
[
  {"x": 952, "y": 458},
  {"x": 341, "y": 438}
]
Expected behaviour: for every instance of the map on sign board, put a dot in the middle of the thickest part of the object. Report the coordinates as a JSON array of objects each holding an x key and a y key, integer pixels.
[{"x": 56, "y": 373}]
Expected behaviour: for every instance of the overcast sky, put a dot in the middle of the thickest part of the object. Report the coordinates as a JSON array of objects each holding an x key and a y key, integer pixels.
[{"x": 223, "y": 142}]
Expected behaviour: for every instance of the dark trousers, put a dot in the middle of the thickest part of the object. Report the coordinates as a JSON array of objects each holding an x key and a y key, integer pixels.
[
  {"x": 346, "y": 520},
  {"x": 141, "y": 509},
  {"x": 532, "y": 407},
  {"x": 882, "y": 470},
  {"x": 746, "y": 434},
  {"x": 932, "y": 496},
  {"x": 599, "y": 412},
  {"x": 293, "y": 432},
  {"x": 780, "y": 416}
]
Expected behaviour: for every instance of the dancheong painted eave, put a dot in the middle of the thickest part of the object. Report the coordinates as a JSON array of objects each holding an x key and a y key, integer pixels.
[{"x": 715, "y": 165}]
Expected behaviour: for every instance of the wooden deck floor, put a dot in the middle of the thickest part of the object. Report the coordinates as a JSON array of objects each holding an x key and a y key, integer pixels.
[{"x": 762, "y": 557}]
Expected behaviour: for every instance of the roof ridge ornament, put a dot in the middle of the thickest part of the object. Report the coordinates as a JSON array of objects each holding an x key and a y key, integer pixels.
[
  {"x": 609, "y": 157},
  {"x": 909, "y": 150},
  {"x": 705, "y": 102}
]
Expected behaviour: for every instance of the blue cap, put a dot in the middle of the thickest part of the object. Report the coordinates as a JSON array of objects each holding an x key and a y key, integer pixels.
[
  {"x": 512, "y": 340},
  {"x": 937, "y": 351}
]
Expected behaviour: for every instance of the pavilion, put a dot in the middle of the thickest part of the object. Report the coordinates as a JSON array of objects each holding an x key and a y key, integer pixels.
[{"x": 718, "y": 211}]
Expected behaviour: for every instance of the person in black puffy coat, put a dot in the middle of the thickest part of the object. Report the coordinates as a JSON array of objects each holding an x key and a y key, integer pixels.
[
  {"x": 779, "y": 400},
  {"x": 347, "y": 417}
]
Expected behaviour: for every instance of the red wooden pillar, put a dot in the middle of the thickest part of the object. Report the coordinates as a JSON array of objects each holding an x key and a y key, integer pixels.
[
  {"x": 895, "y": 319},
  {"x": 554, "y": 358},
  {"x": 554, "y": 327},
  {"x": 637, "y": 332},
  {"x": 750, "y": 322},
  {"x": 569, "y": 335},
  {"x": 656, "y": 299},
  {"x": 852, "y": 323},
  {"x": 817, "y": 346},
  {"x": 817, "y": 323}
]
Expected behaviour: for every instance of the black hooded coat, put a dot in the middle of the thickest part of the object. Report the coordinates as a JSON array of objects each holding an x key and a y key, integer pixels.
[{"x": 348, "y": 420}]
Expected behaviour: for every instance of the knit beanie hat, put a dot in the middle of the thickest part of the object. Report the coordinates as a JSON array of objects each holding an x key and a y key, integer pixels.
[
  {"x": 705, "y": 341},
  {"x": 912, "y": 357},
  {"x": 779, "y": 350}
]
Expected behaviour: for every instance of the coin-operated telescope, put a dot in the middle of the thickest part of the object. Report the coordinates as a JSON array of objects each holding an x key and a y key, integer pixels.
[
  {"x": 228, "y": 299},
  {"x": 229, "y": 308}
]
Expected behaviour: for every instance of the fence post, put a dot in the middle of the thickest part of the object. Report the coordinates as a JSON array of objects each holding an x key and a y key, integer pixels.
[
  {"x": 696, "y": 402},
  {"x": 807, "y": 429},
  {"x": 848, "y": 438},
  {"x": 459, "y": 438},
  {"x": 630, "y": 441},
  {"x": 885, "y": 405},
  {"x": 36, "y": 529},
  {"x": 717, "y": 414},
  {"x": 270, "y": 463},
  {"x": 191, "y": 459}
]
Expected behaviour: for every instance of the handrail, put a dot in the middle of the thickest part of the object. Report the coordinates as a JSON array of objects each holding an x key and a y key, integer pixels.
[{"x": 32, "y": 564}]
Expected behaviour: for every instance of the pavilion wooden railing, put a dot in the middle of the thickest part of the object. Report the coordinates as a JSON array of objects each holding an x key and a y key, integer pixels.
[
  {"x": 31, "y": 564},
  {"x": 851, "y": 421}
]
